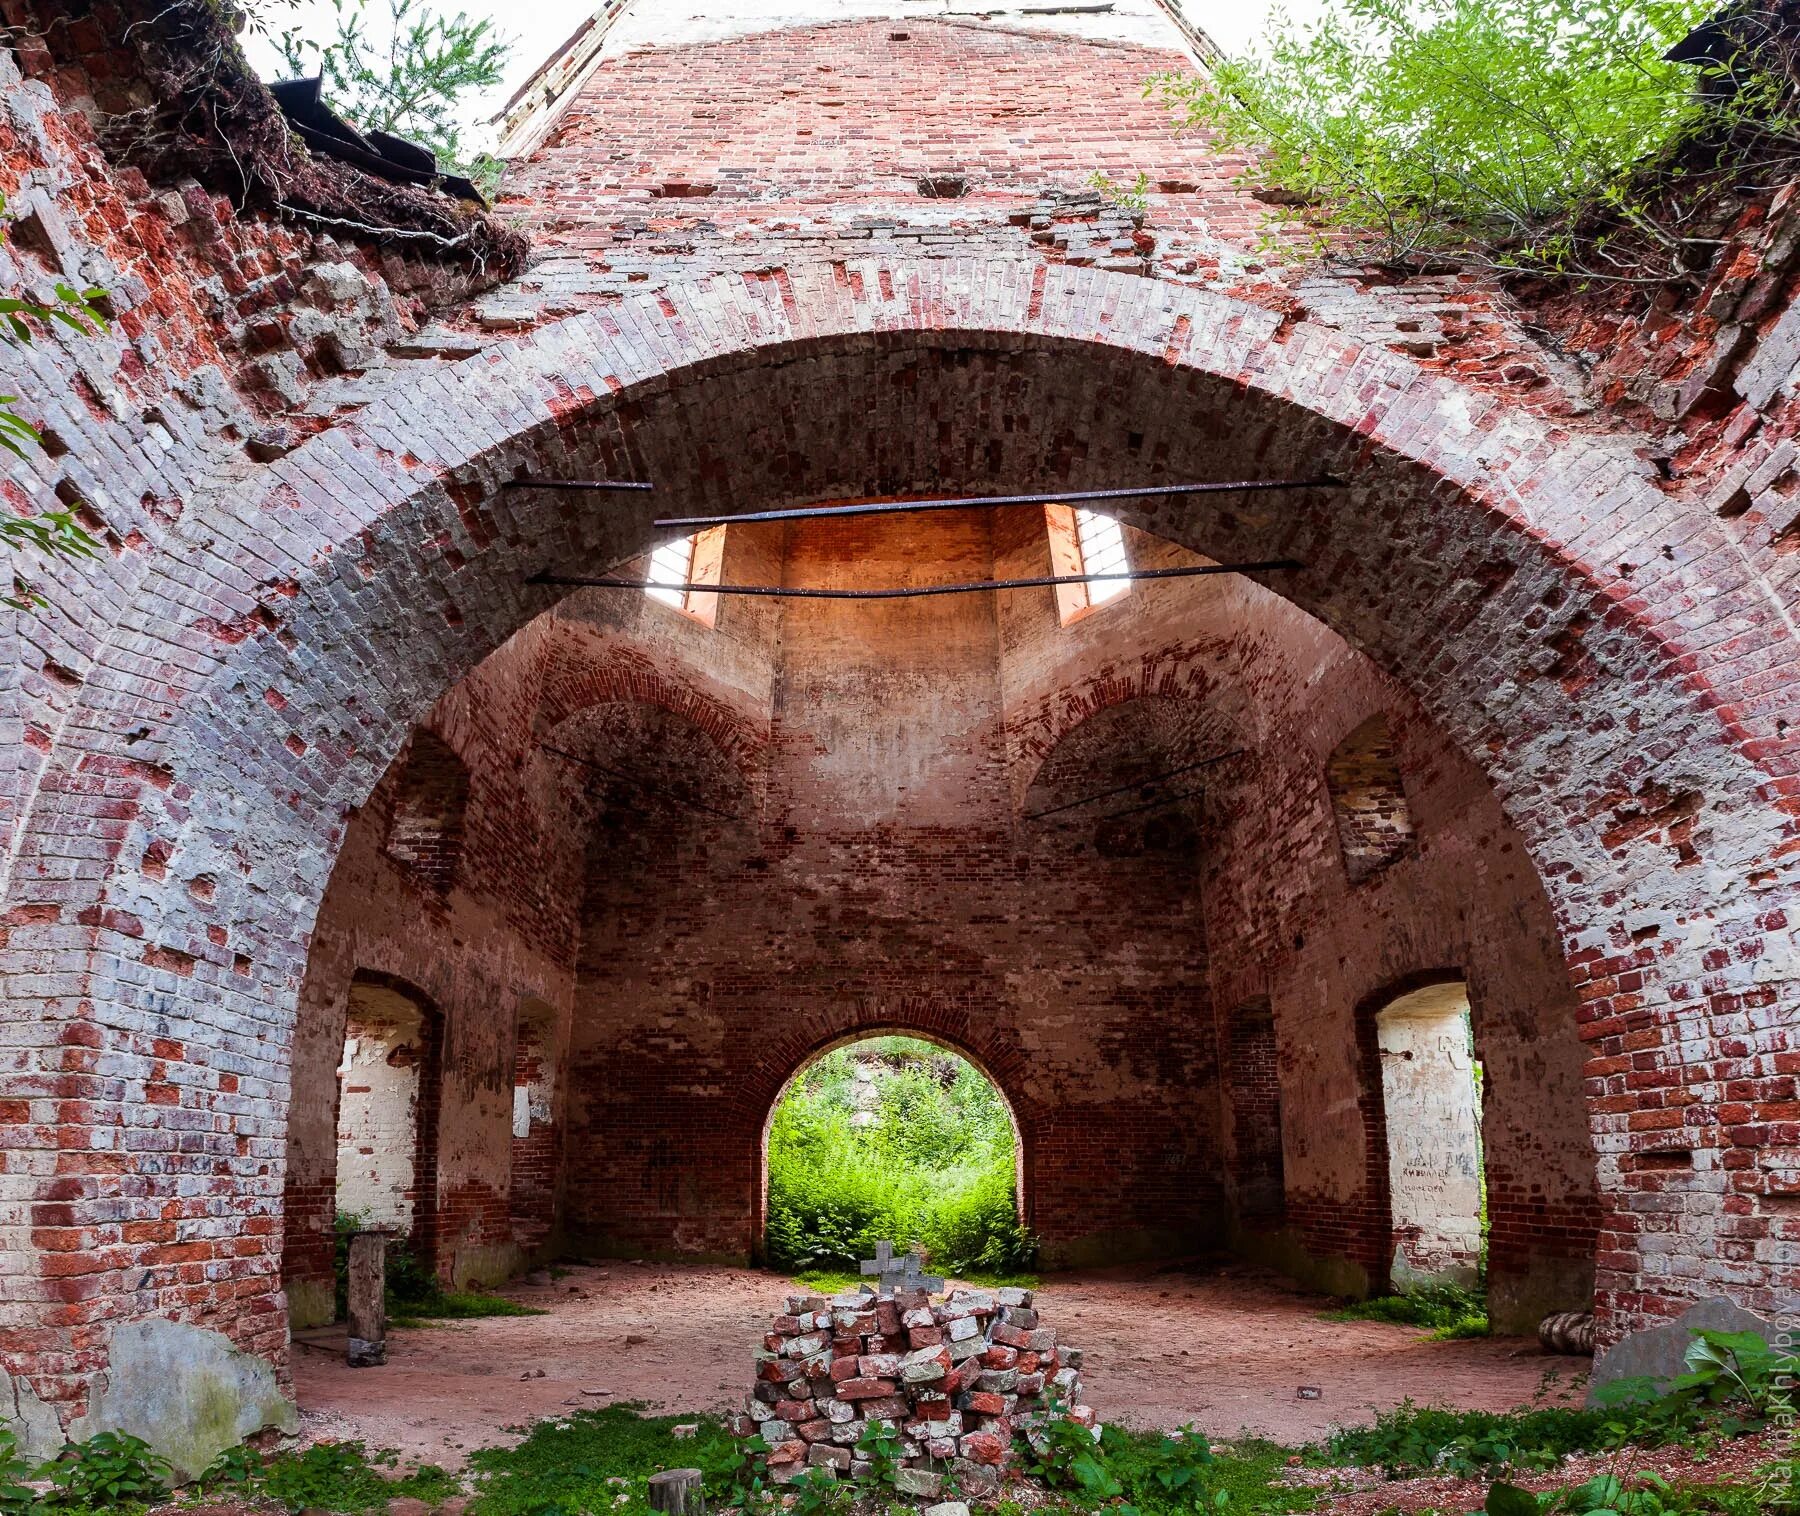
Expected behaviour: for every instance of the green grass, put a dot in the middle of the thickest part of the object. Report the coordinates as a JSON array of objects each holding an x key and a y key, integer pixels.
[
  {"x": 1445, "y": 1310},
  {"x": 1412, "y": 1439},
  {"x": 455, "y": 1305},
  {"x": 586, "y": 1461},
  {"x": 1236, "y": 1477}
]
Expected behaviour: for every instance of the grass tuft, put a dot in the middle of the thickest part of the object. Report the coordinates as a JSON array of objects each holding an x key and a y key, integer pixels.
[{"x": 1447, "y": 1311}]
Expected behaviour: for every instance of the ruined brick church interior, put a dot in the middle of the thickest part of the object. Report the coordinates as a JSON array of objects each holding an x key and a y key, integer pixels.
[{"x": 400, "y": 820}]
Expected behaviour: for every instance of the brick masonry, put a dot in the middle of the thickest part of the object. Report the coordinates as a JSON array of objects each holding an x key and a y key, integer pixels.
[{"x": 1573, "y": 608}]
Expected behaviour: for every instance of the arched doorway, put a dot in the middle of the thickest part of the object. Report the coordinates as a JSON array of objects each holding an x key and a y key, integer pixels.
[{"x": 887, "y": 1135}]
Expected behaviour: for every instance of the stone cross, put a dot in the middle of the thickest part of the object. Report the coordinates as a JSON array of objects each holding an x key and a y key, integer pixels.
[{"x": 902, "y": 1272}]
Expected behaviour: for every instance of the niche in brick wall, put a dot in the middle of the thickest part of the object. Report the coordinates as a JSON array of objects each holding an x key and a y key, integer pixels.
[
  {"x": 1374, "y": 822},
  {"x": 431, "y": 801},
  {"x": 1258, "y": 1171}
]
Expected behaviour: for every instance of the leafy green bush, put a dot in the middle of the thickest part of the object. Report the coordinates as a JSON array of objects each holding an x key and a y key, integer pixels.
[
  {"x": 1159, "y": 1474},
  {"x": 108, "y": 1471},
  {"x": 16, "y": 1497},
  {"x": 1774, "y": 1491},
  {"x": 1500, "y": 131},
  {"x": 930, "y": 1164},
  {"x": 1412, "y": 1438},
  {"x": 1448, "y": 1311}
]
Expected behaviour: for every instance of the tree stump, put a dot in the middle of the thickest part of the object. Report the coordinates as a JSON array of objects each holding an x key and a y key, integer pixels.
[
  {"x": 368, "y": 1300},
  {"x": 677, "y": 1491}
]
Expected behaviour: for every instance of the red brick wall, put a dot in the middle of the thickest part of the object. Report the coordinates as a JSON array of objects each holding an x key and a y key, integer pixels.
[
  {"x": 873, "y": 878},
  {"x": 1258, "y": 1176},
  {"x": 1569, "y": 626}
]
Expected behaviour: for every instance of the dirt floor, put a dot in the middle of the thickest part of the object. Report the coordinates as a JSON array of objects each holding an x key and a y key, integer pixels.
[{"x": 1229, "y": 1350}]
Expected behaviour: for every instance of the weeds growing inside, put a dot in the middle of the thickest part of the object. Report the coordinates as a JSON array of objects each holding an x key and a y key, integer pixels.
[
  {"x": 1447, "y": 1311},
  {"x": 894, "y": 1139}
]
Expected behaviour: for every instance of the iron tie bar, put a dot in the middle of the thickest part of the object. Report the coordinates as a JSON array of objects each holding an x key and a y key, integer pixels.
[
  {"x": 912, "y": 592},
  {"x": 538, "y": 482},
  {"x": 972, "y": 502}
]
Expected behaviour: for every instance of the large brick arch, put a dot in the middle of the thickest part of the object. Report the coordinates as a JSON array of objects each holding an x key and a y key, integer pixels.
[{"x": 273, "y": 662}]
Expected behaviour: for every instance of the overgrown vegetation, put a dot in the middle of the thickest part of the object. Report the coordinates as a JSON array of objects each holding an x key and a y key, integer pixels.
[
  {"x": 1520, "y": 134},
  {"x": 409, "y": 76},
  {"x": 601, "y": 1461},
  {"x": 1447, "y": 1311},
  {"x": 896, "y": 1139},
  {"x": 328, "y": 1476},
  {"x": 1774, "y": 1491},
  {"x": 1157, "y": 1473},
  {"x": 53, "y": 533},
  {"x": 415, "y": 1295},
  {"x": 1734, "y": 1384}
]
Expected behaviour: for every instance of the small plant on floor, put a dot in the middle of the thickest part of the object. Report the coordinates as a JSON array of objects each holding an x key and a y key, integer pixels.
[
  {"x": 817, "y": 1492},
  {"x": 880, "y": 1445},
  {"x": 110, "y": 1470},
  {"x": 239, "y": 1468},
  {"x": 1735, "y": 1384},
  {"x": 1065, "y": 1455},
  {"x": 745, "y": 1469}
]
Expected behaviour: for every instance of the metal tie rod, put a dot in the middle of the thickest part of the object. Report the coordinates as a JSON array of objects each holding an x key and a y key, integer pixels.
[
  {"x": 538, "y": 482},
  {"x": 913, "y": 592},
  {"x": 970, "y": 502}
]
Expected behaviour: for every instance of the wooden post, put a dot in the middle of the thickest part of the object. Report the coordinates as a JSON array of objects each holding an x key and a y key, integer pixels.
[
  {"x": 678, "y": 1492},
  {"x": 368, "y": 1300}
]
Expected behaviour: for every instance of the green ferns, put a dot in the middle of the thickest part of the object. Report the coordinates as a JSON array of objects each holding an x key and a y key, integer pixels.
[{"x": 919, "y": 1152}]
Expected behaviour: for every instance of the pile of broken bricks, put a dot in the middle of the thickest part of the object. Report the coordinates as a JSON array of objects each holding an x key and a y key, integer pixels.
[{"x": 954, "y": 1380}]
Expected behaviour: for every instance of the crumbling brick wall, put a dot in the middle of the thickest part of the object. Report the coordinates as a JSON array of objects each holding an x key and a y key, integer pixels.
[{"x": 1523, "y": 554}]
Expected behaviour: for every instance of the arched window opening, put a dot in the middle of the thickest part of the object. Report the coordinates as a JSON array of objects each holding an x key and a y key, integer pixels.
[
  {"x": 1431, "y": 1101},
  {"x": 1259, "y": 1170},
  {"x": 895, "y": 1139},
  {"x": 536, "y": 1136},
  {"x": 1374, "y": 822},
  {"x": 387, "y": 1114},
  {"x": 431, "y": 803},
  {"x": 678, "y": 568},
  {"x": 1085, "y": 542}
]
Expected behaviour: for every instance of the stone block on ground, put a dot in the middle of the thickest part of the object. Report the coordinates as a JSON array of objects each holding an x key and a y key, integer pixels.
[{"x": 1658, "y": 1352}]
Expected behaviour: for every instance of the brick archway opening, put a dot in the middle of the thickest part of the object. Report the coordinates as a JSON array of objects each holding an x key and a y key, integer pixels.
[
  {"x": 1023, "y": 1148},
  {"x": 1474, "y": 554}
]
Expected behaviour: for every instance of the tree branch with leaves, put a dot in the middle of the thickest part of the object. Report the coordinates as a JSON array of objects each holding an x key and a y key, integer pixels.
[
  {"x": 1515, "y": 134},
  {"x": 410, "y": 84}
]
